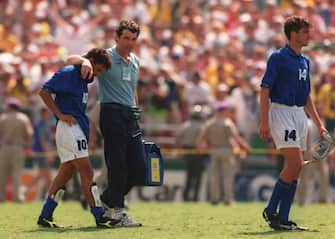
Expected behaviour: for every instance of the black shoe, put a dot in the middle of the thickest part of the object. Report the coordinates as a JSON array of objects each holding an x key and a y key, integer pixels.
[
  {"x": 106, "y": 222},
  {"x": 289, "y": 226},
  {"x": 47, "y": 223},
  {"x": 271, "y": 219}
]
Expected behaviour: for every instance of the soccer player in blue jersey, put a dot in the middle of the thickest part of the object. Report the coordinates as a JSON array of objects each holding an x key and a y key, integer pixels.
[
  {"x": 72, "y": 134},
  {"x": 123, "y": 148},
  {"x": 285, "y": 100}
]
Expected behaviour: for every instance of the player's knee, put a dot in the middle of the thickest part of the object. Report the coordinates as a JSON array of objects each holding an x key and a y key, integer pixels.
[
  {"x": 84, "y": 169},
  {"x": 90, "y": 174},
  {"x": 295, "y": 165},
  {"x": 296, "y": 169}
]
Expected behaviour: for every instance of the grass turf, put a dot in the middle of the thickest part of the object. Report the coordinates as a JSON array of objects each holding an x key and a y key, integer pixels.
[{"x": 167, "y": 221}]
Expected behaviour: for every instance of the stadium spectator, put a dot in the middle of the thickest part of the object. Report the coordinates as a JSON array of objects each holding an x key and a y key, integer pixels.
[
  {"x": 18, "y": 88},
  {"x": 8, "y": 41},
  {"x": 223, "y": 20},
  {"x": 6, "y": 76},
  {"x": 162, "y": 104},
  {"x": 197, "y": 92},
  {"x": 74, "y": 32},
  {"x": 244, "y": 100},
  {"x": 327, "y": 96}
]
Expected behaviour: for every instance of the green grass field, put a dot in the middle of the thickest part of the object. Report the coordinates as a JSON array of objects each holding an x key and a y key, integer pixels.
[{"x": 167, "y": 221}]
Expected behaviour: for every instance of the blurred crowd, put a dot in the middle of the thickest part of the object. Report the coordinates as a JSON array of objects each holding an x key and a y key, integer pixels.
[{"x": 193, "y": 52}]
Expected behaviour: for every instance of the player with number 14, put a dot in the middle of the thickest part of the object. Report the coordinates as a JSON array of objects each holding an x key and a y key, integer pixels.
[{"x": 285, "y": 100}]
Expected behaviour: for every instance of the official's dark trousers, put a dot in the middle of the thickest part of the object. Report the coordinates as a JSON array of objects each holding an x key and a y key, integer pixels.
[
  {"x": 124, "y": 152},
  {"x": 194, "y": 168}
]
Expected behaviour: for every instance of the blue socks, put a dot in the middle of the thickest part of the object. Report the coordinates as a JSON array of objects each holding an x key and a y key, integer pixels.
[
  {"x": 282, "y": 195},
  {"x": 97, "y": 212},
  {"x": 276, "y": 196},
  {"x": 48, "y": 208},
  {"x": 286, "y": 202},
  {"x": 50, "y": 205}
]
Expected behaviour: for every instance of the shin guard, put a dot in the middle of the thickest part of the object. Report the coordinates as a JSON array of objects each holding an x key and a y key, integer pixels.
[
  {"x": 96, "y": 195},
  {"x": 57, "y": 197}
]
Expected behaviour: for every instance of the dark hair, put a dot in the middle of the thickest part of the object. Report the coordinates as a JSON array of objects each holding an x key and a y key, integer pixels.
[
  {"x": 295, "y": 24},
  {"x": 196, "y": 74},
  {"x": 99, "y": 56},
  {"x": 129, "y": 25}
]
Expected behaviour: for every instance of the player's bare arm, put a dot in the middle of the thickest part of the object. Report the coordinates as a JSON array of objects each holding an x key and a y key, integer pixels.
[
  {"x": 48, "y": 100},
  {"x": 264, "y": 129},
  {"x": 86, "y": 65}
]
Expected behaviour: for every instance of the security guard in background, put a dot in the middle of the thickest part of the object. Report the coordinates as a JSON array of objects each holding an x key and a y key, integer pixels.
[
  {"x": 217, "y": 134},
  {"x": 186, "y": 138},
  {"x": 16, "y": 133}
]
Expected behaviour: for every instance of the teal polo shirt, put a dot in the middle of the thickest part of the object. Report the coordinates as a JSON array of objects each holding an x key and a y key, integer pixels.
[{"x": 118, "y": 83}]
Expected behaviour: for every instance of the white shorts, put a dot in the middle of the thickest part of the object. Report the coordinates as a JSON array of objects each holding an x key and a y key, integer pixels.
[
  {"x": 288, "y": 125},
  {"x": 71, "y": 142}
]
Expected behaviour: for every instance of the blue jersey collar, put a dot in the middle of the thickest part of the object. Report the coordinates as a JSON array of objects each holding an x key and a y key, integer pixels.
[{"x": 290, "y": 51}]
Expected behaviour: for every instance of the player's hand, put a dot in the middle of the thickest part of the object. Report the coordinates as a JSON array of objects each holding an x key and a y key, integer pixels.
[
  {"x": 323, "y": 130},
  {"x": 69, "y": 119},
  {"x": 264, "y": 131},
  {"x": 86, "y": 69}
]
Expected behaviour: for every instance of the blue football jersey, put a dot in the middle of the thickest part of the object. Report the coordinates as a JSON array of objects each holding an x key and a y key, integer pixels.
[
  {"x": 287, "y": 76},
  {"x": 71, "y": 94}
]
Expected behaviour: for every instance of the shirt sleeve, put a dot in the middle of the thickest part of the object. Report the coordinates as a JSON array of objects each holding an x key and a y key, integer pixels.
[
  {"x": 204, "y": 132},
  {"x": 61, "y": 82},
  {"x": 28, "y": 126},
  {"x": 271, "y": 72},
  {"x": 232, "y": 127}
]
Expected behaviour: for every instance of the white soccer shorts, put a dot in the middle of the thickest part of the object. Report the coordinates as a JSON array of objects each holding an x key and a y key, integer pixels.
[
  {"x": 71, "y": 142},
  {"x": 288, "y": 125}
]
